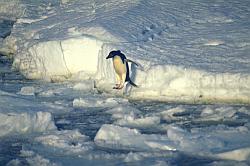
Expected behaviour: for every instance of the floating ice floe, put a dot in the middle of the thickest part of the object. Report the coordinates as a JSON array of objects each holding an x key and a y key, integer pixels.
[
  {"x": 27, "y": 90},
  {"x": 70, "y": 141},
  {"x": 97, "y": 102},
  {"x": 169, "y": 114},
  {"x": 138, "y": 122},
  {"x": 32, "y": 159},
  {"x": 115, "y": 137},
  {"x": 122, "y": 111},
  {"x": 210, "y": 142},
  {"x": 214, "y": 43},
  {"x": 87, "y": 86},
  {"x": 238, "y": 154},
  {"x": 20, "y": 123}
]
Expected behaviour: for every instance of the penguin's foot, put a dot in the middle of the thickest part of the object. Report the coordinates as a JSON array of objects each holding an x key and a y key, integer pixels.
[{"x": 118, "y": 86}]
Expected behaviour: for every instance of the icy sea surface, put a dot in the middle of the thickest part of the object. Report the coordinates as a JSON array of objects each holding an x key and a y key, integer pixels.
[{"x": 56, "y": 124}]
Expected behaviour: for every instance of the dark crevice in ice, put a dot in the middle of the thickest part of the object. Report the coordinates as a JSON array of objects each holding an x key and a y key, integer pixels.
[{"x": 5, "y": 28}]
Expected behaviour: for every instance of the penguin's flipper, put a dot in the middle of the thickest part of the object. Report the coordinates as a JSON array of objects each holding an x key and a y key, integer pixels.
[
  {"x": 133, "y": 84},
  {"x": 128, "y": 60}
]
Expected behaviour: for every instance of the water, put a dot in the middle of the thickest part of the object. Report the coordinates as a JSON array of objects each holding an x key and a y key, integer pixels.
[{"x": 5, "y": 26}]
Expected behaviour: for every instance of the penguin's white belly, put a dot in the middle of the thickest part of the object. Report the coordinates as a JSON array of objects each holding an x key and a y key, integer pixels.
[{"x": 119, "y": 67}]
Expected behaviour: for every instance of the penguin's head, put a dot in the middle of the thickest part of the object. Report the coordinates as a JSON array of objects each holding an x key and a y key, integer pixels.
[{"x": 113, "y": 53}]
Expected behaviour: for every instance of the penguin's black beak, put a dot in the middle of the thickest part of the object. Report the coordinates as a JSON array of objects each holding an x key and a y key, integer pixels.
[{"x": 109, "y": 56}]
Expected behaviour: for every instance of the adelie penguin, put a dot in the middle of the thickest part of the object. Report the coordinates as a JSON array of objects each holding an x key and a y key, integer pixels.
[{"x": 120, "y": 63}]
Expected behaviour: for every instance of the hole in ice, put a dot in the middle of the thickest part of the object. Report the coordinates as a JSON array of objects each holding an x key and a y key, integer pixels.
[
  {"x": 152, "y": 26},
  {"x": 145, "y": 31}
]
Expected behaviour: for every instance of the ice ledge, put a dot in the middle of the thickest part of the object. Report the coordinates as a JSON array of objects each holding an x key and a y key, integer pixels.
[
  {"x": 178, "y": 84},
  {"x": 52, "y": 60},
  {"x": 60, "y": 59}
]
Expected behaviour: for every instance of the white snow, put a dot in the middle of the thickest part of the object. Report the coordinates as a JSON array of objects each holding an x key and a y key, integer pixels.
[
  {"x": 218, "y": 114},
  {"x": 169, "y": 114},
  {"x": 115, "y": 137},
  {"x": 197, "y": 143},
  {"x": 28, "y": 90},
  {"x": 55, "y": 59},
  {"x": 14, "y": 123},
  {"x": 141, "y": 122},
  {"x": 214, "y": 43},
  {"x": 97, "y": 102},
  {"x": 33, "y": 159},
  {"x": 122, "y": 111},
  {"x": 39, "y": 160},
  {"x": 14, "y": 162},
  {"x": 238, "y": 154},
  {"x": 87, "y": 85},
  {"x": 187, "y": 85},
  {"x": 221, "y": 113}
]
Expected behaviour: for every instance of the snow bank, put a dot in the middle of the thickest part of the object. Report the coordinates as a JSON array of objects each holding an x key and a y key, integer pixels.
[
  {"x": 172, "y": 83},
  {"x": 13, "y": 123},
  {"x": 59, "y": 59},
  {"x": 177, "y": 63}
]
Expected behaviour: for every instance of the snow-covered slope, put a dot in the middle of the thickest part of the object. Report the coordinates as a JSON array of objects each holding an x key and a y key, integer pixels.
[{"x": 188, "y": 51}]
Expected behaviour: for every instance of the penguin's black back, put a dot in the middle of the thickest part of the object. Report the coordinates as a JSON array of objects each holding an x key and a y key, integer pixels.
[{"x": 123, "y": 57}]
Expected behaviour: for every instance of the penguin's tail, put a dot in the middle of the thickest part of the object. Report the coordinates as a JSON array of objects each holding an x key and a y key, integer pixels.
[{"x": 133, "y": 84}]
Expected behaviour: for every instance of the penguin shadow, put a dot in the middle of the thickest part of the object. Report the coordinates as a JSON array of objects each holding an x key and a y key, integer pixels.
[{"x": 133, "y": 73}]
